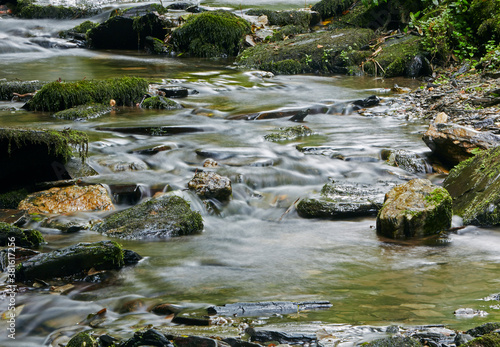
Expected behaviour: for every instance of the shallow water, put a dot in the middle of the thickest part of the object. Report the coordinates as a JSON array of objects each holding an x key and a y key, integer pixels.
[{"x": 253, "y": 250}]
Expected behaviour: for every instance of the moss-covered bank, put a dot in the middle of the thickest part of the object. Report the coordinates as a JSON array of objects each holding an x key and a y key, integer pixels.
[
  {"x": 58, "y": 96},
  {"x": 211, "y": 34}
]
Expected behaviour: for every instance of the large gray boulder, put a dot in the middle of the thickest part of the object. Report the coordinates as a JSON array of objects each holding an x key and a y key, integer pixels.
[
  {"x": 417, "y": 208},
  {"x": 161, "y": 217},
  {"x": 475, "y": 188}
]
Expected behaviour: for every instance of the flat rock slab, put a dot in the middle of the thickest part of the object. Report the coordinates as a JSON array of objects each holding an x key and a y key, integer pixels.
[{"x": 253, "y": 309}]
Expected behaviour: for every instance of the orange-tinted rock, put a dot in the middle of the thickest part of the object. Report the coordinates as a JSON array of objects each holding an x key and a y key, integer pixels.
[{"x": 59, "y": 200}]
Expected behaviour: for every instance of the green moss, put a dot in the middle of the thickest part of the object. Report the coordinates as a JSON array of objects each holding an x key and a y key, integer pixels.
[
  {"x": 289, "y": 133},
  {"x": 316, "y": 52},
  {"x": 489, "y": 340},
  {"x": 397, "y": 341},
  {"x": 155, "y": 218},
  {"x": 23, "y": 238},
  {"x": 331, "y": 8},
  {"x": 82, "y": 112},
  {"x": 79, "y": 29},
  {"x": 27, "y": 9},
  {"x": 483, "y": 329},
  {"x": 7, "y": 88},
  {"x": 437, "y": 196},
  {"x": 486, "y": 20},
  {"x": 286, "y": 31},
  {"x": 83, "y": 339},
  {"x": 211, "y": 34},
  {"x": 58, "y": 96},
  {"x": 58, "y": 143},
  {"x": 283, "y": 18},
  {"x": 11, "y": 200},
  {"x": 160, "y": 102}
]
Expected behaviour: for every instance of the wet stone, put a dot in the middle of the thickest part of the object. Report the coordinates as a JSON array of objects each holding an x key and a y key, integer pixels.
[
  {"x": 122, "y": 163},
  {"x": 289, "y": 133},
  {"x": 149, "y": 337},
  {"x": 406, "y": 160},
  {"x": 208, "y": 185},
  {"x": 22, "y": 238}
]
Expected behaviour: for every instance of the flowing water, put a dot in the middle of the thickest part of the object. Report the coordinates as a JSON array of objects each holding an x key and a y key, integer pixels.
[{"x": 252, "y": 250}]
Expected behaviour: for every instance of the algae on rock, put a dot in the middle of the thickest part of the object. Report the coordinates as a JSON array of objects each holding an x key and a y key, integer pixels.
[
  {"x": 83, "y": 112},
  {"x": 473, "y": 185},
  {"x": 161, "y": 217},
  {"x": 58, "y": 96},
  {"x": 211, "y": 34}
]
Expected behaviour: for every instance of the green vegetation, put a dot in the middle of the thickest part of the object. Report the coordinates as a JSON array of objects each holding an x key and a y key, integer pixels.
[
  {"x": 27, "y": 9},
  {"x": 160, "y": 102},
  {"x": 58, "y": 143},
  {"x": 23, "y": 238},
  {"x": 58, "y": 96},
  {"x": 7, "y": 88},
  {"x": 286, "y": 31},
  {"x": 211, "y": 34},
  {"x": 283, "y": 18},
  {"x": 11, "y": 200},
  {"x": 330, "y": 8},
  {"x": 79, "y": 29},
  {"x": 489, "y": 340},
  {"x": 82, "y": 112}
]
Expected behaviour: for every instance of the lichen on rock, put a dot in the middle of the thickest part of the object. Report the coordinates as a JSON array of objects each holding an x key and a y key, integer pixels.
[{"x": 415, "y": 209}]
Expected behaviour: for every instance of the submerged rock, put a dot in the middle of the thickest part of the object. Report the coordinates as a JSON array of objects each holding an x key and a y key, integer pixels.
[
  {"x": 289, "y": 133},
  {"x": 343, "y": 200},
  {"x": 10, "y": 234},
  {"x": 73, "y": 260},
  {"x": 406, "y": 160},
  {"x": 211, "y": 34},
  {"x": 161, "y": 217},
  {"x": 473, "y": 185},
  {"x": 454, "y": 143},
  {"x": 83, "y": 112},
  {"x": 60, "y": 200},
  {"x": 415, "y": 209},
  {"x": 208, "y": 185},
  {"x": 58, "y": 96}
]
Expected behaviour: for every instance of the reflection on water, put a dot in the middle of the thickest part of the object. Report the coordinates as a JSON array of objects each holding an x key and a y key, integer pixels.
[{"x": 253, "y": 250}]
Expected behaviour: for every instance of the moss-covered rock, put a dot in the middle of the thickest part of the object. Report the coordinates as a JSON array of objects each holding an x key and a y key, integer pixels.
[
  {"x": 60, "y": 200},
  {"x": 58, "y": 96},
  {"x": 83, "y": 339},
  {"x": 396, "y": 58},
  {"x": 11, "y": 199},
  {"x": 283, "y": 18},
  {"x": 29, "y": 156},
  {"x": 27, "y": 9},
  {"x": 160, "y": 102},
  {"x": 115, "y": 33},
  {"x": 22, "y": 237},
  {"x": 342, "y": 200},
  {"x": 483, "y": 329},
  {"x": 286, "y": 32},
  {"x": 488, "y": 340},
  {"x": 395, "y": 341},
  {"x": 331, "y": 8},
  {"x": 474, "y": 187},
  {"x": 79, "y": 31},
  {"x": 7, "y": 88},
  {"x": 70, "y": 261},
  {"x": 322, "y": 52},
  {"x": 83, "y": 112},
  {"x": 211, "y": 34},
  {"x": 208, "y": 185},
  {"x": 289, "y": 133},
  {"x": 160, "y": 217},
  {"x": 415, "y": 209}
]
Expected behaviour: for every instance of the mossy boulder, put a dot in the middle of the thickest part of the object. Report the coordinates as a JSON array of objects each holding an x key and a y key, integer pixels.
[
  {"x": 283, "y": 18},
  {"x": 161, "y": 217},
  {"x": 317, "y": 52},
  {"x": 415, "y": 209},
  {"x": 395, "y": 341},
  {"x": 287, "y": 31},
  {"x": 339, "y": 200},
  {"x": 208, "y": 185},
  {"x": 488, "y": 340},
  {"x": 11, "y": 199},
  {"x": 75, "y": 198},
  {"x": 78, "y": 32},
  {"x": 23, "y": 238},
  {"x": 83, "y": 339},
  {"x": 30, "y": 156},
  {"x": 160, "y": 102},
  {"x": 483, "y": 329},
  {"x": 332, "y": 8},
  {"x": 58, "y": 96},
  {"x": 27, "y": 9},
  {"x": 71, "y": 261},
  {"x": 211, "y": 34},
  {"x": 115, "y": 33},
  {"x": 84, "y": 112},
  {"x": 289, "y": 133},
  {"x": 399, "y": 57},
  {"x": 7, "y": 88},
  {"x": 473, "y": 185}
]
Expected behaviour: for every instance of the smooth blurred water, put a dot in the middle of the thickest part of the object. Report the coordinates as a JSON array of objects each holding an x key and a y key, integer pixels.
[{"x": 253, "y": 250}]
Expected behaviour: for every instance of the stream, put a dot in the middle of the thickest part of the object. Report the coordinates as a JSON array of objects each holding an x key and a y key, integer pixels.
[{"x": 252, "y": 250}]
